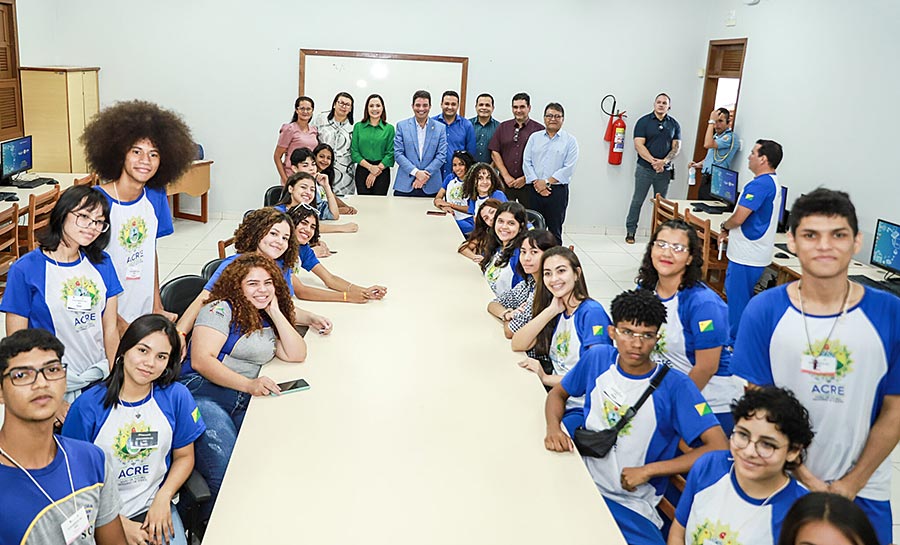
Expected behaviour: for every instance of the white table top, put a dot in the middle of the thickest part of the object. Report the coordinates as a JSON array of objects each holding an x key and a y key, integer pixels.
[{"x": 419, "y": 427}]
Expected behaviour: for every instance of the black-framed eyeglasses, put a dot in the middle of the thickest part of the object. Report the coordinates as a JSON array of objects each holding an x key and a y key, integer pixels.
[
  {"x": 553, "y": 116},
  {"x": 643, "y": 337},
  {"x": 674, "y": 246},
  {"x": 764, "y": 447},
  {"x": 24, "y": 376},
  {"x": 86, "y": 222},
  {"x": 344, "y": 104}
]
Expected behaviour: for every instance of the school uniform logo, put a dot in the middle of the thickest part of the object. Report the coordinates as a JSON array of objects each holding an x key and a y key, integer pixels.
[
  {"x": 659, "y": 351},
  {"x": 80, "y": 287},
  {"x": 492, "y": 273},
  {"x": 125, "y": 449},
  {"x": 455, "y": 193},
  {"x": 132, "y": 233},
  {"x": 714, "y": 533},
  {"x": 828, "y": 362},
  {"x": 561, "y": 343},
  {"x": 613, "y": 412}
]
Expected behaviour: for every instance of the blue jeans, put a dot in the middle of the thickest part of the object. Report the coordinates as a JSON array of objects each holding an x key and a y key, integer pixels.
[
  {"x": 739, "y": 283},
  {"x": 644, "y": 178},
  {"x": 223, "y": 410}
]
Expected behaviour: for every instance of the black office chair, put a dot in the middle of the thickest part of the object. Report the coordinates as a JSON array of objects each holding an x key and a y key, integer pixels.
[
  {"x": 178, "y": 294},
  {"x": 535, "y": 219},
  {"x": 211, "y": 268},
  {"x": 273, "y": 195},
  {"x": 193, "y": 493}
]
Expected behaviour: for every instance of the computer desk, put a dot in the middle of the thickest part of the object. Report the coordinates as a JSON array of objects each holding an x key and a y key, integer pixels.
[{"x": 419, "y": 426}]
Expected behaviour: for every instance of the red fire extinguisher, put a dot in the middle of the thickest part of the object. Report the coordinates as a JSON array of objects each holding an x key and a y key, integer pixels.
[
  {"x": 609, "y": 128},
  {"x": 617, "y": 146}
]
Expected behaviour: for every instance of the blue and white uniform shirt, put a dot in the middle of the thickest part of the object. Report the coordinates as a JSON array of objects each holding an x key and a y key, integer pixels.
[
  {"x": 454, "y": 195},
  {"x": 573, "y": 335},
  {"x": 752, "y": 242},
  {"x": 138, "y": 438},
  {"x": 135, "y": 226},
  {"x": 841, "y": 376},
  {"x": 676, "y": 410},
  {"x": 697, "y": 319},
  {"x": 714, "y": 510},
  {"x": 502, "y": 278}
]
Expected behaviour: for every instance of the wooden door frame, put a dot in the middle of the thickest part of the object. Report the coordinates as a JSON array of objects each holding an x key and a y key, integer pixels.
[{"x": 708, "y": 99}]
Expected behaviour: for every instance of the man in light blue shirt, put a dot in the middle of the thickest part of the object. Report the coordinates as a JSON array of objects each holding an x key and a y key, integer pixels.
[
  {"x": 460, "y": 132},
  {"x": 549, "y": 162},
  {"x": 721, "y": 145}
]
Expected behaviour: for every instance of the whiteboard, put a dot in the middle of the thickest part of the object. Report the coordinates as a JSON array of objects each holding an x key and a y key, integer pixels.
[{"x": 393, "y": 76}]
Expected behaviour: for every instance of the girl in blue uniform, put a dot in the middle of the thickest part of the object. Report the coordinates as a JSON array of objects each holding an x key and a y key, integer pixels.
[
  {"x": 501, "y": 252},
  {"x": 69, "y": 287},
  {"x": 823, "y": 518},
  {"x": 244, "y": 325},
  {"x": 146, "y": 423},
  {"x": 473, "y": 247},
  {"x": 565, "y": 323},
  {"x": 451, "y": 196},
  {"x": 324, "y": 156},
  {"x": 695, "y": 336},
  {"x": 322, "y": 198},
  {"x": 307, "y": 231},
  {"x": 742, "y": 495},
  {"x": 482, "y": 183}
]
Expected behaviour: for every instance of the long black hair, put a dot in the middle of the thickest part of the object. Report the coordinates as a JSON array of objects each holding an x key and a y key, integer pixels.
[
  {"x": 348, "y": 97},
  {"x": 647, "y": 277},
  {"x": 297, "y": 105},
  {"x": 292, "y": 181},
  {"x": 327, "y": 171},
  {"x": 537, "y": 238},
  {"x": 136, "y": 332},
  {"x": 301, "y": 212},
  {"x": 543, "y": 296},
  {"x": 74, "y": 199},
  {"x": 493, "y": 242},
  {"x": 844, "y": 515}
]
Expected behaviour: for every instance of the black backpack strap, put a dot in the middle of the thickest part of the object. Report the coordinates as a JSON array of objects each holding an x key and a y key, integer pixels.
[{"x": 632, "y": 411}]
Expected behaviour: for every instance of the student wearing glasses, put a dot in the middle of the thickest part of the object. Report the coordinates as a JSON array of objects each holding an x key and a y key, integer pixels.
[
  {"x": 47, "y": 480},
  {"x": 68, "y": 286},
  {"x": 336, "y": 129},
  {"x": 632, "y": 475},
  {"x": 694, "y": 338},
  {"x": 742, "y": 495}
]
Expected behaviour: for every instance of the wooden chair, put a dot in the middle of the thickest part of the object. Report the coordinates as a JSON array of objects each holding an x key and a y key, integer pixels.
[
  {"x": 9, "y": 239},
  {"x": 39, "y": 208},
  {"x": 713, "y": 267},
  {"x": 663, "y": 210},
  {"x": 225, "y": 244},
  {"x": 90, "y": 180}
]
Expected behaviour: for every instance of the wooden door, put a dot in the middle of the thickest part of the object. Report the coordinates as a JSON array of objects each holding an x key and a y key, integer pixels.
[{"x": 11, "y": 125}]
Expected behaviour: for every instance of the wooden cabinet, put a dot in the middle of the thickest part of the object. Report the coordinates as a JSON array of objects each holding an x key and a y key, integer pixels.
[{"x": 58, "y": 101}]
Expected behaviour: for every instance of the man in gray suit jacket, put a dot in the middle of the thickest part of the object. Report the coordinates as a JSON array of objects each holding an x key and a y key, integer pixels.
[{"x": 420, "y": 149}]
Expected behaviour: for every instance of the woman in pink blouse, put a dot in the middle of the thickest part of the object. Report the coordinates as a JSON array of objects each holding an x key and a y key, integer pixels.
[{"x": 296, "y": 134}]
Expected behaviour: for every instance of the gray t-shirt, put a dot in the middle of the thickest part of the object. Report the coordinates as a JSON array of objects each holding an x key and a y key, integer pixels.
[{"x": 243, "y": 354}]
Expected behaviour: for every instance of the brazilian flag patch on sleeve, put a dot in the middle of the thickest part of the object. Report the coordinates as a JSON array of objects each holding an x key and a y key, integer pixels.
[
  {"x": 598, "y": 330},
  {"x": 703, "y": 409}
]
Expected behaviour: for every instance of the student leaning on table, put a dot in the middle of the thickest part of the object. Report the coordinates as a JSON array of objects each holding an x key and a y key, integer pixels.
[
  {"x": 307, "y": 231},
  {"x": 501, "y": 252},
  {"x": 146, "y": 423},
  {"x": 271, "y": 233},
  {"x": 244, "y": 324},
  {"x": 141, "y": 148},
  {"x": 323, "y": 198},
  {"x": 632, "y": 475},
  {"x": 474, "y": 246},
  {"x": 69, "y": 287},
  {"x": 565, "y": 323}
]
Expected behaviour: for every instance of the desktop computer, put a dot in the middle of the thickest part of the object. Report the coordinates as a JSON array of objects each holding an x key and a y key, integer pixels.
[
  {"x": 16, "y": 158},
  {"x": 723, "y": 188},
  {"x": 885, "y": 256}
]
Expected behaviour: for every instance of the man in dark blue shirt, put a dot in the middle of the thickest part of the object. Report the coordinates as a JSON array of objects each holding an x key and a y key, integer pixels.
[
  {"x": 657, "y": 139},
  {"x": 460, "y": 132}
]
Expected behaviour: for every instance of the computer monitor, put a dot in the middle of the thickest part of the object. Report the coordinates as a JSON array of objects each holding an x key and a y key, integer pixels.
[
  {"x": 784, "y": 213},
  {"x": 723, "y": 185},
  {"x": 16, "y": 155},
  {"x": 886, "y": 247}
]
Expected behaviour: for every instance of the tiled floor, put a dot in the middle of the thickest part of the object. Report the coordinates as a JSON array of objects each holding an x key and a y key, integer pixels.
[{"x": 609, "y": 265}]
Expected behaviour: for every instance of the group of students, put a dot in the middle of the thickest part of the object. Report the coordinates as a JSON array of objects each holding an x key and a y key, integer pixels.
[
  {"x": 659, "y": 389},
  {"x": 91, "y": 355}
]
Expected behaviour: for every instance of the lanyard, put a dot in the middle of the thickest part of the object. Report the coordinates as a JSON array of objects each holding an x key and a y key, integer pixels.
[
  {"x": 68, "y": 470},
  {"x": 759, "y": 509}
]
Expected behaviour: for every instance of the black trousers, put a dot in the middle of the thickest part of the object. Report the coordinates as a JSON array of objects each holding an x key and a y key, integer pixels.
[
  {"x": 381, "y": 186},
  {"x": 553, "y": 208},
  {"x": 520, "y": 194}
]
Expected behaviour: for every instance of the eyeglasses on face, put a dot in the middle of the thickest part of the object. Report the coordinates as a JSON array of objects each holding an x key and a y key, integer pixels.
[
  {"x": 764, "y": 447},
  {"x": 553, "y": 116},
  {"x": 24, "y": 376},
  {"x": 344, "y": 104},
  {"x": 674, "y": 246},
  {"x": 85, "y": 222},
  {"x": 643, "y": 337}
]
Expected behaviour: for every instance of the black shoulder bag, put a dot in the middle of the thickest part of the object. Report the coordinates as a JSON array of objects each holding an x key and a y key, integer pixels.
[{"x": 597, "y": 444}]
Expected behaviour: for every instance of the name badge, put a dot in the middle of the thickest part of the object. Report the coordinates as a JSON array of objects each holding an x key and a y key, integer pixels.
[
  {"x": 143, "y": 439},
  {"x": 614, "y": 394},
  {"x": 75, "y": 525},
  {"x": 818, "y": 365},
  {"x": 78, "y": 303},
  {"x": 133, "y": 272}
]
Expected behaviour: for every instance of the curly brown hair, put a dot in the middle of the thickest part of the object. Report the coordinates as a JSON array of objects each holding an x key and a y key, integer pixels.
[
  {"x": 228, "y": 288},
  {"x": 256, "y": 225},
  {"x": 114, "y": 130}
]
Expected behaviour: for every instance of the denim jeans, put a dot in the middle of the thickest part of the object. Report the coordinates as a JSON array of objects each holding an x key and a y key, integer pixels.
[
  {"x": 644, "y": 178},
  {"x": 223, "y": 410}
]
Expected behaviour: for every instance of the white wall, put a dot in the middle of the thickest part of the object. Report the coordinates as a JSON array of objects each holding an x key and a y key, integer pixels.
[
  {"x": 821, "y": 79},
  {"x": 233, "y": 72}
]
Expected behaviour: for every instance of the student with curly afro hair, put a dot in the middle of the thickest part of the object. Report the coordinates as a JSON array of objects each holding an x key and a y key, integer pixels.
[
  {"x": 137, "y": 148},
  {"x": 245, "y": 323}
]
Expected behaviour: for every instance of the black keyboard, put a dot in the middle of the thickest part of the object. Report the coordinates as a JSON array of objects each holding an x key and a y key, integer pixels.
[
  {"x": 5, "y": 195},
  {"x": 31, "y": 184},
  {"x": 709, "y": 209},
  {"x": 888, "y": 286}
]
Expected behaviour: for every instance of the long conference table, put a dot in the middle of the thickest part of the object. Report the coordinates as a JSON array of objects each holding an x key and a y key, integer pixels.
[{"x": 419, "y": 427}]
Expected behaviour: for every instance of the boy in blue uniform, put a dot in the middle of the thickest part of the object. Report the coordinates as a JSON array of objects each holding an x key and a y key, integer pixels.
[
  {"x": 836, "y": 344},
  {"x": 742, "y": 496},
  {"x": 632, "y": 475},
  {"x": 52, "y": 489}
]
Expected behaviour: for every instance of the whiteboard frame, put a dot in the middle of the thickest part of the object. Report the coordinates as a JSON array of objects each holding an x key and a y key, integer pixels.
[{"x": 463, "y": 61}]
